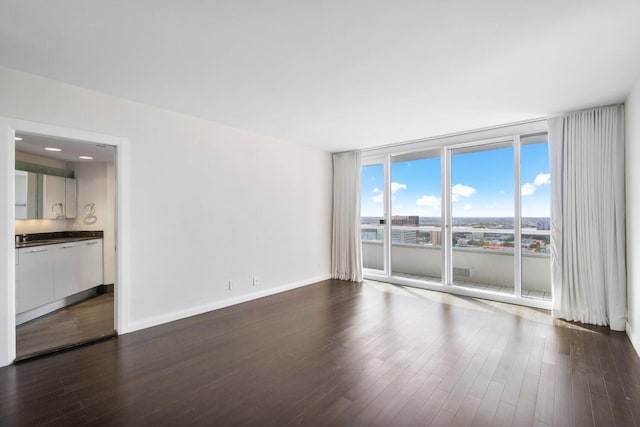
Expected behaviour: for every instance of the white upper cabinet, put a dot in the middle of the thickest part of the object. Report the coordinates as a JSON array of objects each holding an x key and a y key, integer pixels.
[
  {"x": 59, "y": 197},
  {"x": 53, "y": 197}
]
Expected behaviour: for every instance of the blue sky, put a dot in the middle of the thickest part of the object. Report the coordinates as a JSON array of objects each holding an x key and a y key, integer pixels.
[{"x": 482, "y": 184}]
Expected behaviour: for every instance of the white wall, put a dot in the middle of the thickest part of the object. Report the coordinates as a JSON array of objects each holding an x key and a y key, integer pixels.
[
  {"x": 209, "y": 203},
  {"x": 632, "y": 159}
]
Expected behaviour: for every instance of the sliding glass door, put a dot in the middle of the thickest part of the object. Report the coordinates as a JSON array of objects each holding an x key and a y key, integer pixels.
[
  {"x": 416, "y": 216},
  {"x": 536, "y": 218},
  {"x": 482, "y": 206},
  {"x": 473, "y": 217}
]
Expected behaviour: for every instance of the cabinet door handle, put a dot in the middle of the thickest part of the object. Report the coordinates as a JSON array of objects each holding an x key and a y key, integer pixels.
[
  {"x": 66, "y": 247},
  {"x": 37, "y": 250},
  {"x": 92, "y": 243}
]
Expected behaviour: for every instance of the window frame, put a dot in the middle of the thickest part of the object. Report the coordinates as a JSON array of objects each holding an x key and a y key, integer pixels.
[{"x": 509, "y": 135}]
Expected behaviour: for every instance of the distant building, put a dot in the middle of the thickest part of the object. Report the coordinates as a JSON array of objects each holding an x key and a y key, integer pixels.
[
  {"x": 436, "y": 238},
  {"x": 405, "y": 236},
  {"x": 543, "y": 225}
]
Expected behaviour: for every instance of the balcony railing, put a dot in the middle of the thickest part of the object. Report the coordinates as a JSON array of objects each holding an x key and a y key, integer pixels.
[{"x": 489, "y": 268}]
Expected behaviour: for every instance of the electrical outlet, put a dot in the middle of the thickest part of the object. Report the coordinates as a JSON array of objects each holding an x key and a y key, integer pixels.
[
  {"x": 255, "y": 281},
  {"x": 230, "y": 284}
]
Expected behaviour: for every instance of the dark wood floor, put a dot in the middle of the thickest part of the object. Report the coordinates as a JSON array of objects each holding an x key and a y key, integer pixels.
[
  {"x": 78, "y": 323},
  {"x": 337, "y": 353}
]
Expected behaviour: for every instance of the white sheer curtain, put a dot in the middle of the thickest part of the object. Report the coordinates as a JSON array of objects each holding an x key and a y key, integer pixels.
[
  {"x": 588, "y": 217},
  {"x": 346, "y": 249}
]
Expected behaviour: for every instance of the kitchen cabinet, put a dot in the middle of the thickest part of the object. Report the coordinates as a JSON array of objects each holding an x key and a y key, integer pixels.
[
  {"x": 59, "y": 197},
  {"x": 42, "y": 196},
  {"x": 66, "y": 269},
  {"x": 48, "y": 273},
  {"x": 28, "y": 194},
  {"x": 77, "y": 266},
  {"x": 91, "y": 263},
  {"x": 34, "y": 277},
  {"x": 53, "y": 201}
]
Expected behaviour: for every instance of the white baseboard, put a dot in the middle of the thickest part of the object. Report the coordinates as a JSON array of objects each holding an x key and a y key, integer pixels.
[
  {"x": 633, "y": 337},
  {"x": 215, "y": 305}
]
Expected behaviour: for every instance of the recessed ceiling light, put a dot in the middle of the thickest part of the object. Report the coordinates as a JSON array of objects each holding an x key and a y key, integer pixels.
[
  {"x": 85, "y": 157},
  {"x": 17, "y": 138},
  {"x": 52, "y": 149}
]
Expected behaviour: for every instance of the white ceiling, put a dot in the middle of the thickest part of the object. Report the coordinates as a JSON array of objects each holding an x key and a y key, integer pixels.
[
  {"x": 336, "y": 74},
  {"x": 71, "y": 149}
]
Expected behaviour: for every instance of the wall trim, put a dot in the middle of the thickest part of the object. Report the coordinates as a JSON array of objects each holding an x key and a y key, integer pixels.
[
  {"x": 218, "y": 304},
  {"x": 7, "y": 247},
  {"x": 633, "y": 337}
]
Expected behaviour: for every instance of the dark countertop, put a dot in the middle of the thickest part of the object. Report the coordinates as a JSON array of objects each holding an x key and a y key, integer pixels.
[{"x": 40, "y": 239}]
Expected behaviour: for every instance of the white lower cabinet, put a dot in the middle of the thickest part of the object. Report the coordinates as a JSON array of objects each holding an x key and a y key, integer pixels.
[
  {"x": 48, "y": 273},
  {"x": 91, "y": 273},
  {"x": 66, "y": 269},
  {"x": 35, "y": 282}
]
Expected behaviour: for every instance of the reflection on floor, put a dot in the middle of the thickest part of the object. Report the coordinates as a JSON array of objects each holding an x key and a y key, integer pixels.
[
  {"x": 85, "y": 321},
  {"x": 546, "y": 296}
]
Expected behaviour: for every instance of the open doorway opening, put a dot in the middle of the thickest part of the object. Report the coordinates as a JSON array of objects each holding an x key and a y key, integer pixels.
[{"x": 65, "y": 219}]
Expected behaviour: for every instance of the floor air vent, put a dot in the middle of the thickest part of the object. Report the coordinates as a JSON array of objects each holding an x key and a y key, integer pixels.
[{"x": 461, "y": 272}]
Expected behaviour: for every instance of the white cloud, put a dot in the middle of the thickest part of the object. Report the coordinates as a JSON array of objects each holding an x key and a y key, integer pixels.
[
  {"x": 459, "y": 191},
  {"x": 395, "y": 187},
  {"x": 429, "y": 201},
  {"x": 528, "y": 189},
  {"x": 467, "y": 207},
  {"x": 542, "y": 179}
]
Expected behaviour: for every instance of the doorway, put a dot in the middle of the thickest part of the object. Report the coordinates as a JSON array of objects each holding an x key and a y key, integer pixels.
[
  {"x": 65, "y": 243},
  {"x": 8, "y": 286}
]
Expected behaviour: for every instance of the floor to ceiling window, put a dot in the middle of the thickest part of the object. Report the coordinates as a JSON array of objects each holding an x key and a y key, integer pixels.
[
  {"x": 483, "y": 217},
  {"x": 416, "y": 216},
  {"x": 472, "y": 217},
  {"x": 535, "y": 195},
  {"x": 372, "y": 213}
]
